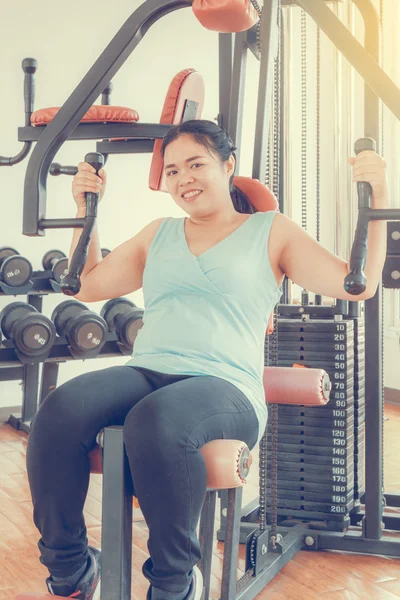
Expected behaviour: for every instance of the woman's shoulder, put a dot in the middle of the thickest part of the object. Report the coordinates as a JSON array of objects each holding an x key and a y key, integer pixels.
[{"x": 150, "y": 231}]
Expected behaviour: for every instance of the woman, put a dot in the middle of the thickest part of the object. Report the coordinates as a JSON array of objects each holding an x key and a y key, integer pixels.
[{"x": 211, "y": 280}]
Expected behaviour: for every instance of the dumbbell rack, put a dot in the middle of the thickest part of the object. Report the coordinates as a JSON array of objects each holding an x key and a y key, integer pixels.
[
  {"x": 11, "y": 368},
  {"x": 28, "y": 373}
]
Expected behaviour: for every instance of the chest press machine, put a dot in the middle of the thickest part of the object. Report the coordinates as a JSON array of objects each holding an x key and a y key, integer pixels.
[{"x": 227, "y": 461}]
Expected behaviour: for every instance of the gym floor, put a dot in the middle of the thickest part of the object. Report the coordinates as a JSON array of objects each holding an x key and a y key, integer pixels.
[{"x": 308, "y": 576}]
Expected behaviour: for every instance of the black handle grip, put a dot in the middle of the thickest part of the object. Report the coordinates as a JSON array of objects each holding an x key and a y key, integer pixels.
[
  {"x": 57, "y": 169},
  {"x": 355, "y": 282},
  {"x": 71, "y": 284},
  {"x": 29, "y": 66}
]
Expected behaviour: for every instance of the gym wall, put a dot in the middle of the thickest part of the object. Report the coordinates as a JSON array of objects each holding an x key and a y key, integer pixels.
[{"x": 67, "y": 41}]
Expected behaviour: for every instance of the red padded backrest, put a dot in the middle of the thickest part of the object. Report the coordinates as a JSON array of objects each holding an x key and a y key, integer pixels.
[
  {"x": 187, "y": 85},
  {"x": 225, "y": 16},
  {"x": 259, "y": 195}
]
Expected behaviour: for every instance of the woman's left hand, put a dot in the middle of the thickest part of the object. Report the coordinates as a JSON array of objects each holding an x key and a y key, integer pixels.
[{"x": 370, "y": 167}]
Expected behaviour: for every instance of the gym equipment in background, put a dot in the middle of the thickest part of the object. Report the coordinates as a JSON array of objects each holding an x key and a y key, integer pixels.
[
  {"x": 125, "y": 318},
  {"x": 84, "y": 330},
  {"x": 32, "y": 333},
  {"x": 15, "y": 272},
  {"x": 56, "y": 262}
]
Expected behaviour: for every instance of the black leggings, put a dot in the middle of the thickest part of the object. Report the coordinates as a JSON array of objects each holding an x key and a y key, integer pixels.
[{"x": 166, "y": 418}]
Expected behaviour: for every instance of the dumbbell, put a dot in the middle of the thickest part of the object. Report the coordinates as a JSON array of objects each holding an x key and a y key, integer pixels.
[
  {"x": 85, "y": 331},
  {"x": 123, "y": 317},
  {"x": 32, "y": 333},
  {"x": 15, "y": 270},
  {"x": 57, "y": 262}
]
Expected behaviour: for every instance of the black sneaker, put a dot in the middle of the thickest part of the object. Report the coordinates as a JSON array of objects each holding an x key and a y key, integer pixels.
[
  {"x": 196, "y": 587},
  {"x": 86, "y": 587}
]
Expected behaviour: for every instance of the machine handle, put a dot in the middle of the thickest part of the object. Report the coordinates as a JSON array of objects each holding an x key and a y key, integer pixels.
[
  {"x": 29, "y": 67},
  {"x": 355, "y": 282},
  {"x": 71, "y": 284}
]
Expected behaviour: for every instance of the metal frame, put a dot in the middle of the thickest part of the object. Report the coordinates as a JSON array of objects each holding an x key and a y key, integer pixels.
[
  {"x": 85, "y": 94},
  {"x": 369, "y": 538}
]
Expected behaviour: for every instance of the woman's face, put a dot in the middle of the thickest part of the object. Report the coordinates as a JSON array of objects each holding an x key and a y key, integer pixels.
[{"x": 196, "y": 178}]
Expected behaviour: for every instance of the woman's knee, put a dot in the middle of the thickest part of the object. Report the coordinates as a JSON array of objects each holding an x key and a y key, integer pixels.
[
  {"x": 58, "y": 415},
  {"x": 151, "y": 425}
]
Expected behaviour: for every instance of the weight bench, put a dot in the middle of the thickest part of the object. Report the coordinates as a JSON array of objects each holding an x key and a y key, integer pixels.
[{"x": 227, "y": 465}]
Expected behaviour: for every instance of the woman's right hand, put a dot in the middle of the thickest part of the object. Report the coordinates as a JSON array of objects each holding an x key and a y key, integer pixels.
[{"x": 86, "y": 180}]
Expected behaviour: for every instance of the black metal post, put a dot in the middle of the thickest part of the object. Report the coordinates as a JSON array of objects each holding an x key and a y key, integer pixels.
[
  {"x": 206, "y": 538},
  {"x": 49, "y": 379},
  {"x": 269, "y": 37},
  {"x": 237, "y": 92},
  {"x": 116, "y": 535},
  {"x": 225, "y": 77},
  {"x": 231, "y": 547}
]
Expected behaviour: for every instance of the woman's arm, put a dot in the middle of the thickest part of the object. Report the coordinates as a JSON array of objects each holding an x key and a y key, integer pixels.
[{"x": 316, "y": 269}]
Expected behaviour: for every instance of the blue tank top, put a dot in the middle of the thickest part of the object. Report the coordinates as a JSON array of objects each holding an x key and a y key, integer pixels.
[{"x": 208, "y": 315}]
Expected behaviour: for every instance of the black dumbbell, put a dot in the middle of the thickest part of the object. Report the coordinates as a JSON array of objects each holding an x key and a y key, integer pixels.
[
  {"x": 32, "y": 333},
  {"x": 123, "y": 317},
  {"x": 15, "y": 270},
  {"x": 85, "y": 331},
  {"x": 57, "y": 262}
]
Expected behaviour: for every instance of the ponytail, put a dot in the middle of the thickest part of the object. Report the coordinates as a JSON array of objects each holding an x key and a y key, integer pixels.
[{"x": 240, "y": 201}]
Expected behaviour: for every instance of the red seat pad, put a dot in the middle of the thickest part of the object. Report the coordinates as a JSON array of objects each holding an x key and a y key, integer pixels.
[
  {"x": 303, "y": 387},
  {"x": 186, "y": 85},
  {"x": 225, "y": 16},
  {"x": 227, "y": 463},
  {"x": 259, "y": 195},
  {"x": 95, "y": 114}
]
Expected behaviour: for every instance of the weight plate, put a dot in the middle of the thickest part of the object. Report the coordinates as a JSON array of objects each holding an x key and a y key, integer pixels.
[
  {"x": 113, "y": 308},
  {"x": 65, "y": 311},
  {"x": 329, "y": 497},
  {"x": 315, "y": 506},
  {"x": 59, "y": 270},
  {"x": 11, "y": 314},
  {"x": 34, "y": 335},
  {"x": 50, "y": 257},
  {"x": 304, "y": 411},
  {"x": 5, "y": 252},
  {"x": 317, "y": 422},
  {"x": 328, "y": 358},
  {"x": 313, "y": 487},
  {"x": 311, "y": 336},
  {"x": 87, "y": 332},
  {"x": 307, "y": 449},
  {"x": 319, "y": 475},
  {"x": 323, "y": 350},
  {"x": 308, "y": 439},
  {"x": 317, "y": 431},
  {"x": 316, "y": 326},
  {"x": 330, "y": 463},
  {"x": 15, "y": 271}
]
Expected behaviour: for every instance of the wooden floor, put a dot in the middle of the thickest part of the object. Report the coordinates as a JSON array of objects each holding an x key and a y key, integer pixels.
[{"x": 308, "y": 576}]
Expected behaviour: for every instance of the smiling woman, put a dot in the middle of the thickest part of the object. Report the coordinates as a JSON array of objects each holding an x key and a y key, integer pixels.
[{"x": 210, "y": 282}]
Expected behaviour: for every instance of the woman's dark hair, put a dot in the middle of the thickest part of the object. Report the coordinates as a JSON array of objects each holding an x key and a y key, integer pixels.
[{"x": 213, "y": 138}]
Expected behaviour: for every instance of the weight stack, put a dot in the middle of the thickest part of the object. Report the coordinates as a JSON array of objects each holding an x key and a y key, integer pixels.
[
  {"x": 359, "y": 405},
  {"x": 316, "y": 445}
]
